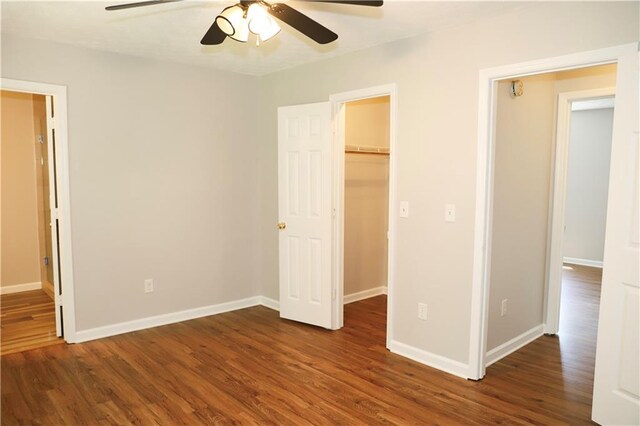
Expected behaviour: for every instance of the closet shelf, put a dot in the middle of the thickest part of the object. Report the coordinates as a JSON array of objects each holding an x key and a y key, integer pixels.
[{"x": 361, "y": 149}]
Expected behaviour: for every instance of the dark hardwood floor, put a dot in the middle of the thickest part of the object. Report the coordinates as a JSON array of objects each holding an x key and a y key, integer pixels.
[
  {"x": 27, "y": 321},
  {"x": 250, "y": 367}
]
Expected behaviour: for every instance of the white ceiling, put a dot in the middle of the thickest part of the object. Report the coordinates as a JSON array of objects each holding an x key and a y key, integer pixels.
[{"x": 173, "y": 31}]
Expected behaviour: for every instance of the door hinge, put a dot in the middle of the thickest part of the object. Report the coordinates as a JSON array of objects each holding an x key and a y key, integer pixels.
[
  {"x": 46, "y": 260},
  {"x": 41, "y": 139}
]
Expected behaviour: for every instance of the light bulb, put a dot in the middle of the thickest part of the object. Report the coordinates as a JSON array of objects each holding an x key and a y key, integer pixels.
[{"x": 260, "y": 23}]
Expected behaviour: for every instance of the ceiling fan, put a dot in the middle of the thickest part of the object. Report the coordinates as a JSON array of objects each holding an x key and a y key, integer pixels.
[{"x": 255, "y": 17}]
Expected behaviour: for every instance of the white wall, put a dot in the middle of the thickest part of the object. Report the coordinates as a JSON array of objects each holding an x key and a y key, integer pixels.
[
  {"x": 437, "y": 79},
  {"x": 162, "y": 177},
  {"x": 366, "y": 196},
  {"x": 587, "y": 184}
]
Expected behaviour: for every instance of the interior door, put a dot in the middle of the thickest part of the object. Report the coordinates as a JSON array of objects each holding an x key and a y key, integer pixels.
[
  {"x": 616, "y": 393},
  {"x": 53, "y": 209},
  {"x": 43, "y": 133},
  {"x": 305, "y": 213}
]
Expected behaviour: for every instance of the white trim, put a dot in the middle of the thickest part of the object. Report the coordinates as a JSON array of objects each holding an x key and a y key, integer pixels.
[
  {"x": 19, "y": 288},
  {"x": 269, "y": 303},
  {"x": 364, "y": 294},
  {"x": 484, "y": 175},
  {"x": 439, "y": 362},
  {"x": 583, "y": 262},
  {"x": 164, "y": 319},
  {"x": 496, "y": 354},
  {"x": 601, "y": 103},
  {"x": 59, "y": 94},
  {"x": 338, "y": 100}
]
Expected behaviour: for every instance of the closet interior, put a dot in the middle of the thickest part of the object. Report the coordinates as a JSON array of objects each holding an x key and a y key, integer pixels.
[{"x": 367, "y": 151}]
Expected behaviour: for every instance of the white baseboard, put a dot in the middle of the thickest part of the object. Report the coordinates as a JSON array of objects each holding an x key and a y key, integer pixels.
[
  {"x": 365, "y": 294},
  {"x": 430, "y": 359},
  {"x": 269, "y": 303},
  {"x": 583, "y": 262},
  {"x": 18, "y": 288},
  {"x": 158, "y": 320},
  {"x": 513, "y": 345}
]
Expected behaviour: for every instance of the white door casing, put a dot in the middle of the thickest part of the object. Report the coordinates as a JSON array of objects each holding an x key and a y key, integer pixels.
[
  {"x": 305, "y": 213},
  {"x": 616, "y": 391}
]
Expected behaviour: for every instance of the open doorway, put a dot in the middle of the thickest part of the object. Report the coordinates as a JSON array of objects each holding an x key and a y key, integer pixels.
[
  {"x": 587, "y": 181},
  {"x": 28, "y": 280},
  {"x": 366, "y": 198},
  {"x": 582, "y": 202},
  {"x": 366, "y": 205},
  {"x": 526, "y": 210},
  {"x": 617, "y": 336}
]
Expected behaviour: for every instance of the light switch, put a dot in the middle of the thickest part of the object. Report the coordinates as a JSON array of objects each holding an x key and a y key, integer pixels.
[
  {"x": 450, "y": 213},
  {"x": 404, "y": 209}
]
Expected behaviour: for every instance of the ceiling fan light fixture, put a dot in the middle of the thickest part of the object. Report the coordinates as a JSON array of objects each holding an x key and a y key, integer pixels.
[
  {"x": 260, "y": 23},
  {"x": 255, "y": 16}
]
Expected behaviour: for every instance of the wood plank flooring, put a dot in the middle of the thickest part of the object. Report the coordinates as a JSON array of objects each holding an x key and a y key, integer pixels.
[
  {"x": 251, "y": 367},
  {"x": 27, "y": 321}
]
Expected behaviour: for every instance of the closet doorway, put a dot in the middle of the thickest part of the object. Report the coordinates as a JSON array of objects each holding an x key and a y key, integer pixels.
[
  {"x": 27, "y": 280},
  {"x": 35, "y": 154},
  {"x": 364, "y": 200}
]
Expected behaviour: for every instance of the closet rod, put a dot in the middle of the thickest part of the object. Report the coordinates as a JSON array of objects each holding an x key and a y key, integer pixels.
[
  {"x": 355, "y": 149},
  {"x": 349, "y": 151}
]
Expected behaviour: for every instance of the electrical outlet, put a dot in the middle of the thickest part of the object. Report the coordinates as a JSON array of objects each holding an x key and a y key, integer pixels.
[
  {"x": 148, "y": 285},
  {"x": 422, "y": 311},
  {"x": 503, "y": 308}
]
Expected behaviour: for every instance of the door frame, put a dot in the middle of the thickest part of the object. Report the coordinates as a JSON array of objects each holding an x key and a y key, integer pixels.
[
  {"x": 338, "y": 102},
  {"x": 59, "y": 98},
  {"x": 555, "y": 247},
  {"x": 487, "y": 96}
]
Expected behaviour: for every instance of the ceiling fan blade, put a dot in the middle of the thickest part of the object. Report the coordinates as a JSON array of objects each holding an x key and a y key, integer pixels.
[
  {"x": 374, "y": 3},
  {"x": 213, "y": 36},
  {"x": 302, "y": 23},
  {"x": 138, "y": 4}
]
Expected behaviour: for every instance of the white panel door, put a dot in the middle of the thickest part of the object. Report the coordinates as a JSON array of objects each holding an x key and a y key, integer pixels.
[
  {"x": 305, "y": 213},
  {"x": 616, "y": 393},
  {"x": 53, "y": 214}
]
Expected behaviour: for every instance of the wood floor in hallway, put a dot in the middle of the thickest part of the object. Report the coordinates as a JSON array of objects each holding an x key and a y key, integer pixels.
[
  {"x": 251, "y": 367},
  {"x": 27, "y": 321}
]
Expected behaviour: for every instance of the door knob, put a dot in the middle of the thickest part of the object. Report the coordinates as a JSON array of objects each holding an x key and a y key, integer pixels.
[{"x": 282, "y": 225}]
